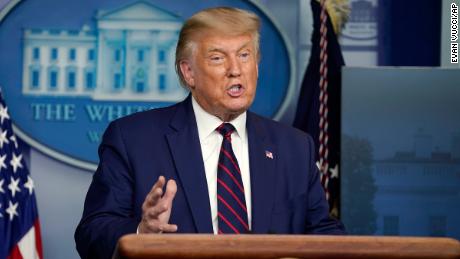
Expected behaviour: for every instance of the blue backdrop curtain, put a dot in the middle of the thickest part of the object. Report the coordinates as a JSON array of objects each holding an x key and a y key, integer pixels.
[{"x": 409, "y": 32}]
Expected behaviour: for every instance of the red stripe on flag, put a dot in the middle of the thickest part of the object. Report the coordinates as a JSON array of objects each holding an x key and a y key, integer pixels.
[
  {"x": 38, "y": 238},
  {"x": 233, "y": 195},
  {"x": 15, "y": 253},
  {"x": 228, "y": 223}
]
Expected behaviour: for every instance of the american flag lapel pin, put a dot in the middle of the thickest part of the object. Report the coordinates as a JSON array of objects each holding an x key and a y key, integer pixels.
[{"x": 268, "y": 154}]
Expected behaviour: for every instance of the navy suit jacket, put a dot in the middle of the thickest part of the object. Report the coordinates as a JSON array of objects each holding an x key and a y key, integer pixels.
[{"x": 286, "y": 194}]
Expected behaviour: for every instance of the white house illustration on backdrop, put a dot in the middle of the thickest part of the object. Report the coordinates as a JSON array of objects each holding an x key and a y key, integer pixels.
[{"x": 129, "y": 56}]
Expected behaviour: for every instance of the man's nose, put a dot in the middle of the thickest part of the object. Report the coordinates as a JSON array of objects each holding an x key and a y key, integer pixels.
[{"x": 234, "y": 67}]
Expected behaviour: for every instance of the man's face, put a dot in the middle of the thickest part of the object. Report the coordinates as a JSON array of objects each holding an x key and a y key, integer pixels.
[{"x": 222, "y": 74}]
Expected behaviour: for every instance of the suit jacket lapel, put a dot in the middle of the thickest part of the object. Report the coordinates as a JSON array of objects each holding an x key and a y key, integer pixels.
[
  {"x": 262, "y": 158},
  {"x": 185, "y": 148}
]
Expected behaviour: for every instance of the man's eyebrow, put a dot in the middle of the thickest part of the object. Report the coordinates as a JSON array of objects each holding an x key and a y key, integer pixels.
[
  {"x": 217, "y": 49},
  {"x": 245, "y": 45}
]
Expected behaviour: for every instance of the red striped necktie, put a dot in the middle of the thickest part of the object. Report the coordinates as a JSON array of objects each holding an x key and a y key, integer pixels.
[{"x": 231, "y": 204}]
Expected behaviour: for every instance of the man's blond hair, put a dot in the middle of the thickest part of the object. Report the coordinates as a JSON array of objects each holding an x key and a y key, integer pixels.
[{"x": 227, "y": 20}]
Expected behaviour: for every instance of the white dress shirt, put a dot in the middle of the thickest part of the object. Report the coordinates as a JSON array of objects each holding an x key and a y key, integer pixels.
[{"x": 211, "y": 141}]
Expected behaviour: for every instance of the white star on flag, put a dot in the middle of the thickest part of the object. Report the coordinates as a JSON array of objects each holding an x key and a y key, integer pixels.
[
  {"x": 16, "y": 162},
  {"x": 3, "y": 138},
  {"x": 12, "y": 210},
  {"x": 2, "y": 162},
  {"x": 14, "y": 140},
  {"x": 14, "y": 186},
  {"x": 3, "y": 113},
  {"x": 334, "y": 171},
  {"x": 1, "y": 215},
  {"x": 29, "y": 185},
  {"x": 1, "y": 186}
]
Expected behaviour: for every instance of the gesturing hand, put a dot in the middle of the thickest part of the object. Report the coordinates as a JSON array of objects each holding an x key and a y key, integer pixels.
[{"x": 156, "y": 209}]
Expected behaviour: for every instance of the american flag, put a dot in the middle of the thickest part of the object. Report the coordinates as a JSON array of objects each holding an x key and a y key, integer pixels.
[
  {"x": 318, "y": 109},
  {"x": 19, "y": 225}
]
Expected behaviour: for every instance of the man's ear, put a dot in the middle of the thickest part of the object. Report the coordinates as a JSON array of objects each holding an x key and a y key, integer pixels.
[{"x": 187, "y": 72}]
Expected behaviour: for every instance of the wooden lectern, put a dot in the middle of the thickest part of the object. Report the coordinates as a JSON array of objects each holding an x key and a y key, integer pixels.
[{"x": 283, "y": 246}]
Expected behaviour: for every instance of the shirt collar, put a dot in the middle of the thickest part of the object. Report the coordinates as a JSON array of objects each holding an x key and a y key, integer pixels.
[{"x": 207, "y": 123}]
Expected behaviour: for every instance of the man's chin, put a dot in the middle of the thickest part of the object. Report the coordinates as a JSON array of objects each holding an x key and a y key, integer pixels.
[
  {"x": 230, "y": 113},
  {"x": 240, "y": 104},
  {"x": 237, "y": 109}
]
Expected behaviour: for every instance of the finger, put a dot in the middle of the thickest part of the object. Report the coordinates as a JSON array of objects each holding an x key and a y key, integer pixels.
[
  {"x": 155, "y": 197},
  {"x": 155, "y": 211},
  {"x": 159, "y": 183},
  {"x": 167, "y": 228},
  {"x": 156, "y": 191},
  {"x": 171, "y": 190},
  {"x": 152, "y": 226},
  {"x": 152, "y": 199}
]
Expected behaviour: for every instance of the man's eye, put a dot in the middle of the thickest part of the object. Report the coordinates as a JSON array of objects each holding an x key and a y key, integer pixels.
[
  {"x": 216, "y": 58},
  {"x": 245, "y": 55}
]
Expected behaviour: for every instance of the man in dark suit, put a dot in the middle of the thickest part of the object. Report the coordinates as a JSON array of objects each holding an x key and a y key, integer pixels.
[{"x": 228, "y": 169}]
